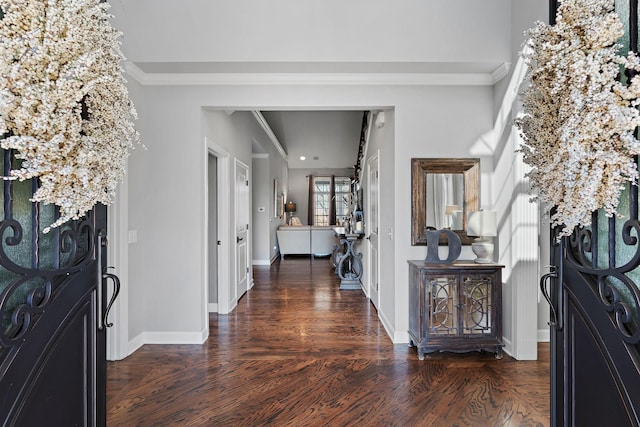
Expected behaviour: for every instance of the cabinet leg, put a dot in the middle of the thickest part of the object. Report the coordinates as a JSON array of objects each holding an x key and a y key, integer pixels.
[
  {"x": 499, "y": 353},
  {"x": 420, "y": 356}
]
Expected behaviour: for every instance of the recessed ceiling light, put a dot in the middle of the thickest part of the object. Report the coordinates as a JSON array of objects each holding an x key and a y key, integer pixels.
[{"x": 303, "y": 158}]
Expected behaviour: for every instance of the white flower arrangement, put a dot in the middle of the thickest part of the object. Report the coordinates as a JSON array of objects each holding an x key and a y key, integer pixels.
[
  {"x": 64, "y": 106},
  {"x": 578, "y": 118}
]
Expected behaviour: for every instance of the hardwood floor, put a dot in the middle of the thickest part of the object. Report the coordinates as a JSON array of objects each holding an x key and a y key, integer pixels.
[{"x": 297, "y": 351}]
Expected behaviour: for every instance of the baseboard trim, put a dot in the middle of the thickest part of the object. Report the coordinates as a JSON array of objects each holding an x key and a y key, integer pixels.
[
  {"x": 387, "y": 326},
  {"x": 544, "y": 335},
  {"x": 213, "y": 307},
  {"x": 174, "y": 338},
  {"x": 401, "y": 337},
  {"x": 204, "y": 334},
  {"x": 233, "y": 304},
  {"x": 507, "y": 346},
  {"x": 261, "y": 262},
  {"x": 135, "y": 344},
  {"x": 167, "y": 338}
]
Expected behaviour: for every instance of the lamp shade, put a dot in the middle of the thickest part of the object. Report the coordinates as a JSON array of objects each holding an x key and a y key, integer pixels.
[
  {"x": 482, "y": 223},
  {"x": 290, "y": 207},
  {"x": 450, "y": 209}
]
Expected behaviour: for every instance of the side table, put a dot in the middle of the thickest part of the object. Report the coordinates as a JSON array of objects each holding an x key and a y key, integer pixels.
[{"x": 349, "y": 264}]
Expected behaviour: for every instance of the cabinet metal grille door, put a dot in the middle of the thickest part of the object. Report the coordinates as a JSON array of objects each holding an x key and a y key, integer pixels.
[
  {"x": 477, "y": 299},
  {"x": 442, "y": 306},
  {"x": 52, "y": 338}
]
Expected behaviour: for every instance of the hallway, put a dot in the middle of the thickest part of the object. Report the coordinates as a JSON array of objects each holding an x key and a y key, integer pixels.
[{"x": 297, "y": 351}]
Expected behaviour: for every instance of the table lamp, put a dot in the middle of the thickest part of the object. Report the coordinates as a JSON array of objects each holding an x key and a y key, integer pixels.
[
  {"x": 290, "y": 208},
  {"x": 451, "y": 211},
  {"x": 482, "y": 224}
]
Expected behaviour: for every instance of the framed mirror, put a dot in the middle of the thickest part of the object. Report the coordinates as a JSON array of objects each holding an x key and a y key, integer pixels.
[{"x": 443, "y": 192}]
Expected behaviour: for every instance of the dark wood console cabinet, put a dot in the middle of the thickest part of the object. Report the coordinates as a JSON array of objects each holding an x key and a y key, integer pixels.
[{"x": 455, "y": 307}]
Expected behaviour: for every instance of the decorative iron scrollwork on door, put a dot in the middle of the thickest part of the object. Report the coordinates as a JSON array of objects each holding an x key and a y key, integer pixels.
[
  {"x": 33, "y": 264},
  {"x": 609, "y": 253}
]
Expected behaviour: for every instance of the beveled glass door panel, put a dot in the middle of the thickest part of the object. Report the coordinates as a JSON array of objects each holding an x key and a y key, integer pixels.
[
  {"x": 477, "y": 305},
  {"x": 441, "y": 305}
]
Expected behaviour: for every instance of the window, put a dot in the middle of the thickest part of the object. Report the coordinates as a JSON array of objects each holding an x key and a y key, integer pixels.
[
  {"x": 323, "y": 214},
  {"x": 321, "y": 199},
  {"x": 342, "y": 187}
]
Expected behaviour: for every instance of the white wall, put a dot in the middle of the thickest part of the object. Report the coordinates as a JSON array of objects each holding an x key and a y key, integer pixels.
[
  {"x": 426, "y": 125},
  {"x": 236, "y": 133},
  {"x": 277, "y": 170},
  {"x": 382, "y": 142},
  {"x": 262, "y": 213},
  {"x": 524, "y": 13},
  {"x": 160, "y": 211},
  {"x": 266, "y": 168},
  {"x": 166, "y": 182},
  {"x": 524, "y": 315},
  {"x": 136, "y": 307}
]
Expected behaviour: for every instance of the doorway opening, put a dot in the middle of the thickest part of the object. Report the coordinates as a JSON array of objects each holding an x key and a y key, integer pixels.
[
  {"x": 217, "y": 227},
  {"x": 212, "y": 235}
]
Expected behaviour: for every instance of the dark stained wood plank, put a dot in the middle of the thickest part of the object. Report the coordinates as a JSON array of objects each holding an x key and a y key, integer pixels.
[{"x": 297, "y": 351}]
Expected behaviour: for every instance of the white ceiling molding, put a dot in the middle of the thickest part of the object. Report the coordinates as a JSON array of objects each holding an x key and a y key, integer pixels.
[
  {"x": 454, "y": 78},
  {"x": 272, "y": 136},
  {"x": 500, "y": 72}
]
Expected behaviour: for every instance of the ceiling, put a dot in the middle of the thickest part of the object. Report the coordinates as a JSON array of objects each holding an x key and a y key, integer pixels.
[
  {"x": 310, "y": 43},
  {"x": 327, "y": 139}
]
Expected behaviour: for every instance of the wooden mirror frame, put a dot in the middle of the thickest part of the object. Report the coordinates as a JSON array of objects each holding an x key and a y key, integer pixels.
[{"x": 469, "y": 168}]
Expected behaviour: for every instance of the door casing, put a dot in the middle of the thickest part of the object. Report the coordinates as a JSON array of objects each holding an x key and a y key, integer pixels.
[{"x": 373, "y": 211}]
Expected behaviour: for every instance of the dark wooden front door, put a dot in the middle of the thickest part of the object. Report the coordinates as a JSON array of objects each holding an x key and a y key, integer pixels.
[
  {"x": 52, "y": 314},
  {"x": 595, "y": 371},
  {"x": 595, "y": 305}
]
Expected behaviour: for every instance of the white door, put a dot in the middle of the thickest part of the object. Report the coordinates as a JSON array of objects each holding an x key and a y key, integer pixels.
[
  {"x": 373, "y": 210},
  {"x": 242, "y": 227}
]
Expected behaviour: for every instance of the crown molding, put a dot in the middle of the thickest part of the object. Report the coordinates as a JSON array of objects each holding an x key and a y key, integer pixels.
[
  {"x": 319, "y": 79},
  {"x": 500, "y": 72},
  {"x": 272, "y": 136}
]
